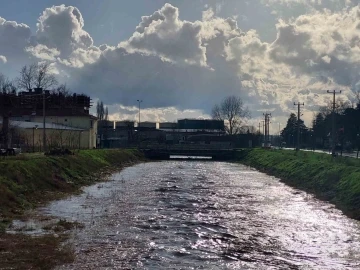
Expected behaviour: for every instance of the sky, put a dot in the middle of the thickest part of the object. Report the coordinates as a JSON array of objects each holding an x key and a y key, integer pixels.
[{"x": 182, "y": 57}]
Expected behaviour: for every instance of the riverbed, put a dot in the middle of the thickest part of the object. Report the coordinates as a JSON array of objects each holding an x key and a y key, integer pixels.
[{"x": 205, "y": 215}]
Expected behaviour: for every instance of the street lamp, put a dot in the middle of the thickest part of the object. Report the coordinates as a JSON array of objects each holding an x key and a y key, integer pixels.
[
  {"x": 43, "y": 93},
  {"x": 139, "y": 100},
  {"x": 80, "y": 139},
  {"x": 36, "y": 126}
]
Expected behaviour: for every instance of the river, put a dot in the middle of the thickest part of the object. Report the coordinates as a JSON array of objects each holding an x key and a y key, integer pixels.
[{"x": 205, "y": 215}]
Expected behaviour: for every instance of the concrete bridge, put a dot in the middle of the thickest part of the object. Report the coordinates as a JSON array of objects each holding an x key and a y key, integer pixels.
[{"x": 163, "y": 152}]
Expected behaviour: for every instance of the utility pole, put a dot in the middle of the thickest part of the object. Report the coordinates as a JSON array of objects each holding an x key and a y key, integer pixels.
[
  {"x": 334, "y": 92},
  {"x": 263, "y": 131},
  {"x": 279, "y": 135},
  {"x": 44, "y": 127},
  {"x": 36, "y": 126},
  {"x": 267, "y": 124},
  {"x": 298, "y": 124}
]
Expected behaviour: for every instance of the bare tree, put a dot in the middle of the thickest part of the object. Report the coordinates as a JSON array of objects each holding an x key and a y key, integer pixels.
[
  {"x": 232, "y": 111},
  {"x": 6, "y": 86},
  {"x": 37, "y": 75},
  {"x": 62, "y": 89},
  {"x": 340, "y": 107}
]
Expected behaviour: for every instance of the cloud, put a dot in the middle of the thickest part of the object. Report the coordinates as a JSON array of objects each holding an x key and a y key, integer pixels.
[
  {"x": 119, "y": 76},
  {"x": 180, "y": 67},
  {"x": 42, "y": 52},
  {"x": 14, "y": 37},
  {"x": 167, "y": 114},
  {"x": 3, "y": 59},
  {"x": 165, "y": 35},
  {"x": 325, "y": 44},
  {"x": 61, "y": 28}
]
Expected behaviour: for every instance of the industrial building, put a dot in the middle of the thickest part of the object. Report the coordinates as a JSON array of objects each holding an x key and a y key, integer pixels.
[
  {"x": 147, "y": 125},
  {"x": 201, "y": 125},
  {"x": 167, "y": 125},
  {"x": 61, "y": 110}
]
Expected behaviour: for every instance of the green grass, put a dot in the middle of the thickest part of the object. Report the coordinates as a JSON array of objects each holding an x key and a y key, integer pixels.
[
  {"x": 334, "y": 179},
  {"x": 27, "y": 181}
]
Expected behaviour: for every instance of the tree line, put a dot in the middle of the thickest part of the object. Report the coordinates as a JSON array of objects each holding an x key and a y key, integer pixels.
[{"x": 347, "y": 121}]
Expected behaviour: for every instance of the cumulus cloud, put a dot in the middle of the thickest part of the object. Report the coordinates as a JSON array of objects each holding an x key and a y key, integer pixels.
[
  {"x": 324, "y": 44},
  {"x": 3, "y": 59},
  {"x": 61, "y": 28},
  {"x": 171, "y": 114},
  {"x": 60, "y": 37},
  {"x": 183, "y": 68},
  {"x": 165, "y": 35},
  {"x": 42, "y": 52},
  {"x": 14, "y": 37}
]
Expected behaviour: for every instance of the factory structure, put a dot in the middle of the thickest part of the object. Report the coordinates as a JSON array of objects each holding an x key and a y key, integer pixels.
[{"x": 124, "y": 133}]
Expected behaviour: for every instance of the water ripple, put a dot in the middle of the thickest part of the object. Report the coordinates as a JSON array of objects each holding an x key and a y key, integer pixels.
[{"x": 206, "y": 215}]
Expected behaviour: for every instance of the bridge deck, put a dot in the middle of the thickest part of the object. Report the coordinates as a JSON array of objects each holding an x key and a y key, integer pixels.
[{"x": 165, "y": 151}]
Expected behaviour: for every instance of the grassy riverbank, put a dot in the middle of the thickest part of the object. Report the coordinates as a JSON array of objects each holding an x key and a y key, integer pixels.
[
  {"x": 334, "y": 179},
  {"x": 29, "y": 181}
]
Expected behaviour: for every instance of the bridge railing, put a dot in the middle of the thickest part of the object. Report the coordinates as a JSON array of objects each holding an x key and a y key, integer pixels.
[{"x": 185, "y": 147}]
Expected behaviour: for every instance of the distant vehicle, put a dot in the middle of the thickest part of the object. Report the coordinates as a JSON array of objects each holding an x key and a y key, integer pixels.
[
  {"x": 17, "y": 151},
  {"x": 10, "y": 151}
]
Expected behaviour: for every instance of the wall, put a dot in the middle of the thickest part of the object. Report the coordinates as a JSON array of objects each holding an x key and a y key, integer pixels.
[
  {"x": 89, "y": 123},
  {"x": 55, "y": 138},
  {"x": 83, "y": 122}
]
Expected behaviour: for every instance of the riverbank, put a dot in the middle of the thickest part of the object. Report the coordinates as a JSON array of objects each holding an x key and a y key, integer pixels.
[
  {"x": 333, "y": 179},
  {"x": 29, "y": 181}
]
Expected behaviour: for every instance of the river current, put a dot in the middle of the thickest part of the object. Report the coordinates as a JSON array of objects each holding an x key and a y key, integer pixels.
[{"x": 205, "y": 215}]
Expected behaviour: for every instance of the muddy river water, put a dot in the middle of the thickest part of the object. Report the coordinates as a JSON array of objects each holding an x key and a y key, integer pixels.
[{"x": 205, "y": 215}]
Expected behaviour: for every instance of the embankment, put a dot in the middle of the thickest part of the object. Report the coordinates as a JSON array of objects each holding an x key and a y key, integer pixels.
[
  {"x": 333, "y": 179},
  {"x": 29, "y": 180}
]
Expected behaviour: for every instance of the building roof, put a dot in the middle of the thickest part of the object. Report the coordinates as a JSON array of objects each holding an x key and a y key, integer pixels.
[
  {"x": 199, "y": 119},
  {"x": 39, "y": 125},
  {"x": 200, "y": 130}
]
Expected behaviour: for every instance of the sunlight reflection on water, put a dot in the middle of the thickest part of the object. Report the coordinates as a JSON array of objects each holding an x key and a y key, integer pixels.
[{"x": 206, "y": 215}]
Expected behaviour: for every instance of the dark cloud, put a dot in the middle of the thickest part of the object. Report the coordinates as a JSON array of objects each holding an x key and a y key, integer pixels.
[{"x": 122, "y": 77}]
